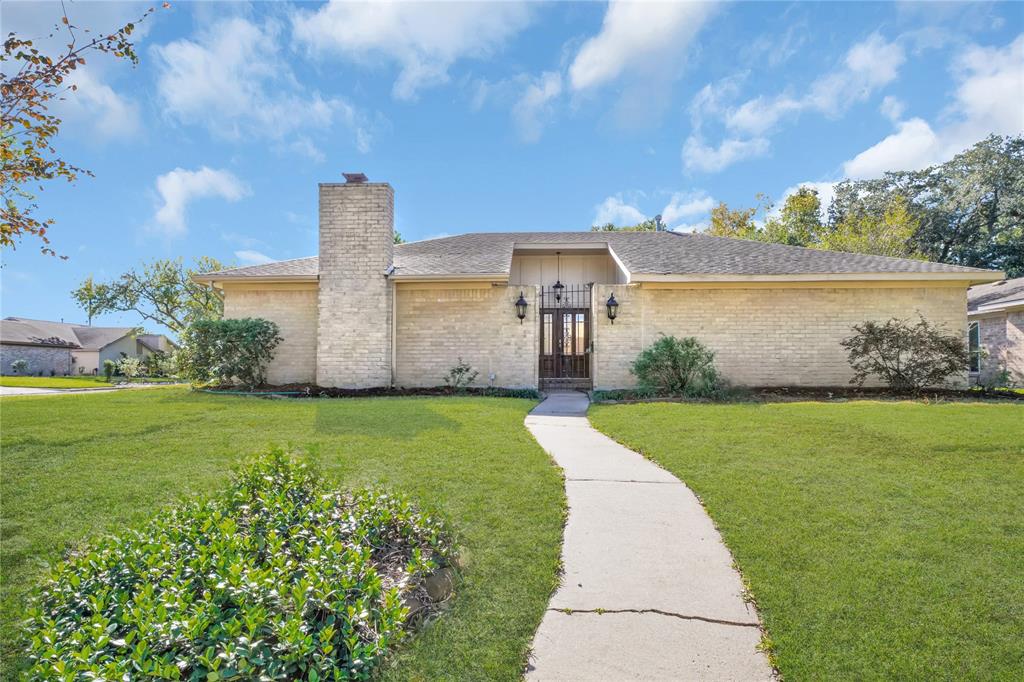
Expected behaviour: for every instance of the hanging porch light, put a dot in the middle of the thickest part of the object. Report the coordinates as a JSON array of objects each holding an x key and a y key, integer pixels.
[
  {"x": 521, "y": 308},
  {"x": 613, "y": 308}
]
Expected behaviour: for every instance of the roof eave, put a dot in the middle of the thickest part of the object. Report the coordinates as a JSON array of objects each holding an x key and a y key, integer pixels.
[
  {"x": 213, "y": 280},
  {"x": 454, "y": 277},
  {"x": 978, "y": 277}
]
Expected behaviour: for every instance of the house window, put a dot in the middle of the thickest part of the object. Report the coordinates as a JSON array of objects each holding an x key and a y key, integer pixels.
[
  {"x": 974, "y": 346},
  {"x": 548, "y": 331}
]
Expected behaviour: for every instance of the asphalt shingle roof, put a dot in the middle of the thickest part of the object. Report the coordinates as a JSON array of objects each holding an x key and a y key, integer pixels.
[
  {"x": 642, "y": 253},
  {"x": 21, "y": 330},
  {"x": 995, "y": 293}
]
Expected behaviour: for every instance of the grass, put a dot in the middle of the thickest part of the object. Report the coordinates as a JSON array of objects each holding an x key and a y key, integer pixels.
[
  {"x": 880, "y": 540},
  {"x": 95, "y": 463},
  {"x": 75, "y": 382}
]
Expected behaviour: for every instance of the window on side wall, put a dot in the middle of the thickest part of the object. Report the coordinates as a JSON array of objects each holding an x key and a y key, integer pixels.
[{"x": 974, "y": 346}]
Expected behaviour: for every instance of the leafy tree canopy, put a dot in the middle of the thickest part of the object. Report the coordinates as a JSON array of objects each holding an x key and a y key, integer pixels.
[
  {"x": 162, "y": 291},
  {"x": 649, "y": 225},
  {"x": 31, "y": 82}
]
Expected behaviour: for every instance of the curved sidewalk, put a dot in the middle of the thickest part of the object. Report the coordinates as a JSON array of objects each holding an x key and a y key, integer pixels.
[{"x": 649, "y": 591}]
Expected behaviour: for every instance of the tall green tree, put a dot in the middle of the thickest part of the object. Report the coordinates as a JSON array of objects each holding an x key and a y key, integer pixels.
[
  {"x": 970, "y": 209},
  {"x": 891, "y": 233},
  {"x": 740, "y": 222},
  {"x": 162, "y": 291},
  {"x": 799, "y": 221},
  {"x": 31, "y": 83}
]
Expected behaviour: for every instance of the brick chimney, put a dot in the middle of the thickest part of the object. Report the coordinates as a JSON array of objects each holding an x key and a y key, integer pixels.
[{"x": 356, "y": 252}]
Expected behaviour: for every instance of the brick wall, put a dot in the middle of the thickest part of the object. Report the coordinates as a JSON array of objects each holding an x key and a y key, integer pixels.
[
  {"x": 356, "y": 248},
  {"x": 437, "y": 326},
  {"x": 762, "y": 337},
  {"x": 1002, "y": 338},
  {"x": 294, "y": 310},
  {"x": 39, "y": 359}
]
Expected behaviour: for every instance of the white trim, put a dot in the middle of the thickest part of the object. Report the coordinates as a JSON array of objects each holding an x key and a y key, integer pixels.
[
  {"x": 999, "y": 307},
  {"x": 829, "y": 277},
  {"x": 457, "y": 277},
  {"x": 622, "y": 266},
  {"x": 559, "y": 246}
]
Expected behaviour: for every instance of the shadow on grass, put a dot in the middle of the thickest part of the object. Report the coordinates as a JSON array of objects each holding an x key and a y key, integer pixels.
[{"x": 332, "y": 418}]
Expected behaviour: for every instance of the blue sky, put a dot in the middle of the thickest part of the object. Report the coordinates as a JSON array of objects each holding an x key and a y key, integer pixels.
[{"x": 491, "y": 116}]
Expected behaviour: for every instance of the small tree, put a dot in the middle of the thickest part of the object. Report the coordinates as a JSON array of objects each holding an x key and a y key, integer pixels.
[
  {"x": 130, "y": 368},
  {"x": 906, "y": 356},
  {"x": 672, "y": 366},
  {"x": 460, "y": 376},
  {"x": 228, "y": 350},
  {"x": 20, "y": 366},
  {"x": 109, "y": 367}
]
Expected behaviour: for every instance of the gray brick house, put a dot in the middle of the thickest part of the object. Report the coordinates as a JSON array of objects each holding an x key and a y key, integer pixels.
[
  {"x": 531, "y": 309},
  {"x": 68, "y": 349}
]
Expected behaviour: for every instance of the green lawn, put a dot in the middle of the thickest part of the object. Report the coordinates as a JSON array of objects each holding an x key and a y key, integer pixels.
[
  {"x": 54, "y": 382},
  {"x": 881, "y": 540},
  {"x": 74, "y": 382},
  {"x": 77, "y": 466}
]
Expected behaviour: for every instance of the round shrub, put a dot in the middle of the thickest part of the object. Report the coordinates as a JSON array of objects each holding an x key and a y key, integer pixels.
[
  {"x": 672, "y": 366},
  {"x": 278, "y": 578}
]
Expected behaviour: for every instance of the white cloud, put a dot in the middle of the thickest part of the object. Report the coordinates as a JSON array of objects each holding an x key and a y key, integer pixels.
[
  {"x": 701, "y": 157},
  {"x": 253, "y": 257},
  {"x": 233, "y": 80},
  {"x": 892, "y": 108},
  {"x": 987, "y": 101},
  {"x": 425, "y": 39},
  {"x": 111, "y": 115},
  {"x": 616, "y": 211},
  {"x": 868, "y": 65},
  {"x": 710, "y": 100},
  {"x": 683, "y": 205},
  {"x": 913, "y": 145},
  {"x": 534, "y": 107},
  {"x": 634, "y": 37},
  {"x": 180, "y": 187}
]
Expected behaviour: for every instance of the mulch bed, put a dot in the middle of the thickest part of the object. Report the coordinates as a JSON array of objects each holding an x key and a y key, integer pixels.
[
  {"x": 783, "y": 394},
  {"x": 311, "y": 391}
]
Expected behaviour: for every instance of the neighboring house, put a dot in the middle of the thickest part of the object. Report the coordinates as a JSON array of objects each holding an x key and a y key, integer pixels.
[
  {"x": 995, "y": 315},
  {"x": 62, "y": 348},
  {"x": 369, "y": 313}
]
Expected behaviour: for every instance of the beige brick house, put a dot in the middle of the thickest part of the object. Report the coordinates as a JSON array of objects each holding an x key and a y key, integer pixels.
[
  {"x": 369, "y": 313},
  {"x": 995, "y": 314}
]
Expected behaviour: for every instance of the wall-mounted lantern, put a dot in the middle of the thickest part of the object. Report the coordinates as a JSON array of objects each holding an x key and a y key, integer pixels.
[
  {"x": 521, "y": 308},
  {"x": 613, "y": 308}
]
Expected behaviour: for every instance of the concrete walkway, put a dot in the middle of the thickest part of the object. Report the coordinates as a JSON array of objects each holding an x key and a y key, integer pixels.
[{"x": 649, "y": 592}]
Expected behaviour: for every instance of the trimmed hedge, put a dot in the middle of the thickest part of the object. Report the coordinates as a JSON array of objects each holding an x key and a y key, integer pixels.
[{"x": 278, "y": 578}]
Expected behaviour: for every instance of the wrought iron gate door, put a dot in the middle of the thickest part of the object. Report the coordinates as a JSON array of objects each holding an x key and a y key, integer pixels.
[{"x": 565, "y": 337}]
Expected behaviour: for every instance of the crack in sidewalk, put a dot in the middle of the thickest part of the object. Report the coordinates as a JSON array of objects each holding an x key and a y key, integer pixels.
[{"x": 715, "y": 621}]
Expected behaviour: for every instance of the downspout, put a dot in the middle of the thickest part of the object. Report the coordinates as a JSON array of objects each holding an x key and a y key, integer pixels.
[{"x": 394, "y": 321}]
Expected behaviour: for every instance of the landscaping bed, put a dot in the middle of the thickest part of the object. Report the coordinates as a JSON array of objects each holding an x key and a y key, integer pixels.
[
  {"x": 106, "y": 462},
  {"x": 880, "y": 540},
  {"x": 773, "y": 394},
  {"x": 313, "y": 391}
]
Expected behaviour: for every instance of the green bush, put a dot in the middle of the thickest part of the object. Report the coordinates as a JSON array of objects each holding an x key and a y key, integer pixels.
[
  {"x": 460, "y": 376},
  {"x": 672, "y": 366},
  {"x": 228, "y": 351},
  {"x": 109, "y": 367},
  {"x": 20, "y": 366},
  {"x": 277, "y": 578},
  {"x": 907, "y": 357}
]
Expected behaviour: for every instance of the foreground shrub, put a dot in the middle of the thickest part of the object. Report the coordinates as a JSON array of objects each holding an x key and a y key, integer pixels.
[
  {"x": 672, "y": 366},
  {"x": 278, "y": 578},
  {"x": 129, "y": 367},
  {"x": 460, "y": 376},
  {"x": 109, "y": 367},
  {"x": 907, "y": 357},
  {"x": 19, "y": 366},
  {"x": 228, "y": 350}
]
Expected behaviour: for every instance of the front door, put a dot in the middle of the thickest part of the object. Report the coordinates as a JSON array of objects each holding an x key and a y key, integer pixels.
[{"x": 564, "y": 341}]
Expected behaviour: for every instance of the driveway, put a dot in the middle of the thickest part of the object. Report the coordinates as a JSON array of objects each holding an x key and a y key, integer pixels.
[{"x": 649, "y": 591}]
